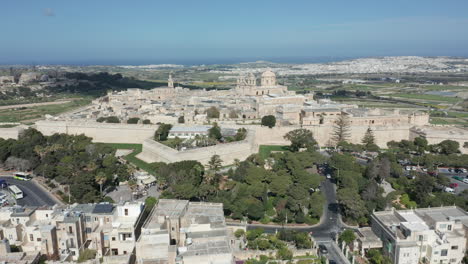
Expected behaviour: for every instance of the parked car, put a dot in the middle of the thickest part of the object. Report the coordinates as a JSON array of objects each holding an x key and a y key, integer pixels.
[
  {"x": 464, "y": 170},
  {"x": 449, "y": 190},
  {"x": 465, "y": 181},
  {"x": 328, "y": 176},
  {"x": 458, "y": 178},
  {"x": 323, "y": 249},
  {"x": 413, "y": 168},
  {"x": 408, "y": 168},
  {"x": 453, "y": 185}
]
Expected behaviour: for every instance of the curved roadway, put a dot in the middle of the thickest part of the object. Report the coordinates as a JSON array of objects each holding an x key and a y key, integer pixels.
[
  {"x": 34, "y": 195},
  {"x": 324, "y": 232}
]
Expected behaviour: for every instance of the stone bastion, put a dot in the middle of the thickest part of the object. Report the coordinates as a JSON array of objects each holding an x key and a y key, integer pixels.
[{"x": 154, "y": 151}]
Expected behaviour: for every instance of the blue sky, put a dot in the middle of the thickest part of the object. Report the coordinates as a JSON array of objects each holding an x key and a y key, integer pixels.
[{"x": 119, "y": 31}]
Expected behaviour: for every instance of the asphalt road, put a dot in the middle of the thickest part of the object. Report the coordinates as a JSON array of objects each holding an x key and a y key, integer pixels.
[
  {"x": 33, "y": 194},
  {"x": 323, "y": 232}
]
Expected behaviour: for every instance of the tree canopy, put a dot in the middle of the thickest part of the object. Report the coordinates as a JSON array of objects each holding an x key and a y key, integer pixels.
[
  {"x": 269, "y": 121},
  {"x": 301, "y": 138}
]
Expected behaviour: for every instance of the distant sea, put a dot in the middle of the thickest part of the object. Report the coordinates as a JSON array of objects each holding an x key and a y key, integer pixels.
[{"x": 188, "y": 62}]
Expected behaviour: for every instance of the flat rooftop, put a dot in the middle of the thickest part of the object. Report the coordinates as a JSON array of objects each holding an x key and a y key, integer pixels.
[{"x": 216, "y": 247}]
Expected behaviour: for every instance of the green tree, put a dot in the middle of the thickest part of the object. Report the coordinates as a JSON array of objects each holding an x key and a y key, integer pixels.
[
  {"x": 150, "y": 202},
  {"x": 284, "y": 254},
  {"x": 101, "y": 178},
  {"x": 347, "y": 236},
  {"x": 212, "y": 112},
  {"x": 351, "y": 203},
  {"x": 162, "y": 132},
  {"x": 301, "y": 138},
  {"x": 239, "y": 233},
  {"x": 341, "y": 129},
  {"x": 368, "y": 138},
  {"x": 269, "y": 121},
  {"x": 215, "y": 132},
  {"x": 87, "y": 254},
  {"x": 215, "y": 163},
  {"x": 181, "y": 120},
  {"x": 448, "y": 147},
  {"x": 113, "y": 119},
  {"x": 133, "y": 120},
  {"x": 375, "y": 257}
]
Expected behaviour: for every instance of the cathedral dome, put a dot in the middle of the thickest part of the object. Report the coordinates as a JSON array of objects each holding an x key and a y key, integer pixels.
[{"x": 268, "y": 74}]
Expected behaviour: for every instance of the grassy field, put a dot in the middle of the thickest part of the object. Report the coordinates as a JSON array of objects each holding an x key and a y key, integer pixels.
[
  {"x": 442, "y": 87},
  {"x": 430, "y": 97},
  {"x": 137, "y": 148},
  {"x": 265, "y": 150},
  {"x": 37, "y": 112},
  {"x": 448, "y": 121}
]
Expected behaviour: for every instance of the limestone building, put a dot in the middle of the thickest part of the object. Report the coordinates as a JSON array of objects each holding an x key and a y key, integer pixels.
[
  {"x": 62, "y": 233},
  {"x": 428, "y": 235},
  {"x": 183, "y": 232},
  {"x": 247, "y": 85}
]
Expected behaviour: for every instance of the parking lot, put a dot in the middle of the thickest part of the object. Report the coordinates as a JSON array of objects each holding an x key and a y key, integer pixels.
[
  {"x": 450, "y": 175},
  {"x": 33, "y": 194}
]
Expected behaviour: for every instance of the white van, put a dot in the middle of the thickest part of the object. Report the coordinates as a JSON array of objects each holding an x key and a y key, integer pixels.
[{"x": 449, "y": 190}]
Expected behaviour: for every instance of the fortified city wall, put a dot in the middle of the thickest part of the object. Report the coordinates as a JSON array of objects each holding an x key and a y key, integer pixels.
[
  {"x": 437, "y": 134},
  {"x": 154, "y": 151},
  {"x": 100, "y": 132}
]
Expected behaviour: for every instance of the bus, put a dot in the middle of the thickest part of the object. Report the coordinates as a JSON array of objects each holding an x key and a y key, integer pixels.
[
  {"x": 22, "y": 176},
  {"x": 15, "y": 191}
]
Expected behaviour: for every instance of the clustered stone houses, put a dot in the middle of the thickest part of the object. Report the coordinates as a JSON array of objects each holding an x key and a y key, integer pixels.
[
  {"x": 183, "y": 232},
  {"x": 62, "y": 232},
  {"x": 176, "y": 231},
  {"x": 249, "y": 101},
  {"x": 423, "y": 235}
]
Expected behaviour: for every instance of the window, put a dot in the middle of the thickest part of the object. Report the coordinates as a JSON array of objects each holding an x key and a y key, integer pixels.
[
  {"x": 46, "y": 215},
  {"x": 454, "y": 248},
  {"x": 421, "y": 238},
  {"x": 113, "y": 238},
  {"x": 88, "y": 230},
  {"x": 126, "y": 211},
  {"x": 442, "y": 226},
  {"x": 31, "y": 237},
  {"x": 88, "y": 218},
  {"x": 38, "y": 239},
  {"x": 449, "y": 227},
  {"x": 453, "y": 260},
  {"x": 443, "y": 252},
  {"x": 70, "y": 230}
]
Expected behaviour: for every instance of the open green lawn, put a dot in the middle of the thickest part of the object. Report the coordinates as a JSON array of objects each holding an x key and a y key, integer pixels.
[
  {"x": 429, "y": 97},
  {"x": 137, "y": 148},
  {"x": 265, "y": 150},
  {"x": 37, "y": 112}
]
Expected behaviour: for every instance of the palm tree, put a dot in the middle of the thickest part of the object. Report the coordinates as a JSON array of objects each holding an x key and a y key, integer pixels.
[{"x": 100, "y": 179}]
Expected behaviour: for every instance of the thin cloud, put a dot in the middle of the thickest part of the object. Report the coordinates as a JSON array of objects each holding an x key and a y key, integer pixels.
[{"x": 49, "y": 12}]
